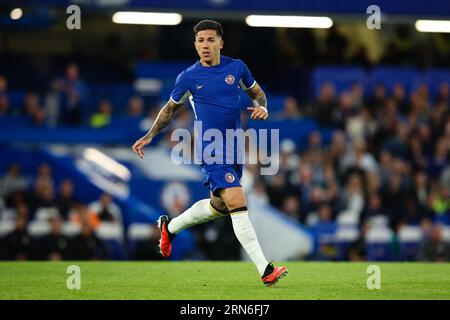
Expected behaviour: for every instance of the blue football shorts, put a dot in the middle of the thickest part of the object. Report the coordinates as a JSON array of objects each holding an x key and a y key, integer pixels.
[{"x": 221, "y": 176}]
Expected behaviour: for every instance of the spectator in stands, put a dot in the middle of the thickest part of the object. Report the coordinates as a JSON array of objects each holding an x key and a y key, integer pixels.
[
  {"x": 30, "y": 103},
  {"x": 44, "y": 176},
  {"x": 426, "y": 140},
  {"x": 39, "y": 118},
  {"x": 65, "y": 201},
  {"x": 291, "y": 110},
  {"x": 443, "y": 95},
  {"x": 45, "y": 197},
  {"x": 439, "y": 161},
  {"x": 344, "y": 111},
  {"x": 148, "y": 249},
  {"x": 325, "y": 105},
  {"x": 83, "y": 215},
  {"x": 277, "y": 189},
  {"x": 33, "y": 110},
  {"x": 259, "y": 192},
  {"x": 439, "y": 203},
  {"x": 353, "y": 195},
  {"x": 336, "y": 46},
  {"x": 102, "y": 117},
  {"x": 374, "y": 207},
  {"x": 361, "y": 57},
  {"x": 416, "y": 153},
  {"x": 4, "y": 99},
  {"x": 42, "y": 193},
  {"x": 106, "y": 209},
  {"x": 421, "y": 187},
  {"x": 315, "y": 142},
  {"x": 361, "y": 125},
  {"x": 378, "y": 99},
  {"x": 135, "y": 107},
  {"x": 434, "y": 248},
  {"x": 337, "y": 148},
  {"x": 308, "y": 191},
  {"x": 146, "y": 123},
  {"x": 3, "y": 85},
  {"x": 439, "y": 121},
  {"x": 358, "y": 157},
  {"x": 397, "y": 145},
  {"x": 86, "y": 245},
  {"x": 291, "y": 206},
  {"x": 4, "y": 106},
  {"x": 445, "y": 178},
  {"x": 394, "y": 196},
  {"x": 289, "y": 160},
  {"x": 55, "y": 244},
  {"x": 13, "y": 181},
  {"x": 325, "y": 229},
  {"x": 412, "y": 213},
  {"x": 74, "y": 93},
  {"x": 399, "y": 96},
  {"x": 184, "y": 119},
  {"x": 18, "y": 242}
]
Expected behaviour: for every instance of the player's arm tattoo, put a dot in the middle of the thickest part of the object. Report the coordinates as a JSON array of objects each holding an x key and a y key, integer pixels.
[
  {"x": 165, "y": 115},
  {"x": 257, "y": 94}
]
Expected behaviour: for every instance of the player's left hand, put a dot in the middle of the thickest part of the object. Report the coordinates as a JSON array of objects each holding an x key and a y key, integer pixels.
[{"x": 258, "y": 113}]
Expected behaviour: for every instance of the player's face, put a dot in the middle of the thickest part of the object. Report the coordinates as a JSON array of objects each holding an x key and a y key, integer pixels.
[{"x": 208, "y": 45}]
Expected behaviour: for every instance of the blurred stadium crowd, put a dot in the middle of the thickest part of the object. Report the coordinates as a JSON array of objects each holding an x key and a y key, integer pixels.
[{"x": 385, "y": 166}]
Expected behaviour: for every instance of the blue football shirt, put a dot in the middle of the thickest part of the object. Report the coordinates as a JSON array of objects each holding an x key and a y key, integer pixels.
[{"x": 214, "y": 94}]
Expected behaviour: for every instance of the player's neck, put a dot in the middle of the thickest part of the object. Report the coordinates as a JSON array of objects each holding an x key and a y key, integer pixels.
[{"x": 212, "y": 63}]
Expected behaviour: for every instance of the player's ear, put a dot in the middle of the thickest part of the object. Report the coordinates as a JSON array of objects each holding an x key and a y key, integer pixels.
[{"x": 221, "y": 43}]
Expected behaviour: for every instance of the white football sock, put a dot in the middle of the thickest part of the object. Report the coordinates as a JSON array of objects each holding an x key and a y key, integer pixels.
[
  {"x": 200, "y": 212},
  {"x": 246, "y": 235}
]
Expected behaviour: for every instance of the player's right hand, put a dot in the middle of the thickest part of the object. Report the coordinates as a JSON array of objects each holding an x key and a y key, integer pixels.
[
  {"x": 258, "y": 113},
  {"x": 138, "y": 145}
]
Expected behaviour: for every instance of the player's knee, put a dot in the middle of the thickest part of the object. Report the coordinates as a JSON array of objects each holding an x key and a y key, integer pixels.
[
  {"x": 219, "y": 207},
  {"x": 236, "y": 203}
]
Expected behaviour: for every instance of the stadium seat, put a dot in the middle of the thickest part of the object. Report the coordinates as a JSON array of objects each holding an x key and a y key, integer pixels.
[
  {"x": 14, "y": 122},
  {"x": 43, "y": 214},
  {"x": 433, "y": 79},
  {"x": 275, "y": 102},
  {"x": 409, "y": 238},
  {"x": 446, "y": 233},
  {"x": 6, "y": 226},
  {"x": 345, "y": 236},
  {"x": 341, "y": 77},
  {"x": 16, "y": 100},
  {"x": 112, "y": 236},
  {"x": 389, "y": 76},
  {"x": 8, "y": 214},
  {"x": 38, "y": 228},
  {"x": 137, "y": 232},
  {"x": 348, "y": 218},
  {"x": 378, "y": 240},
  {"x": 71, "y": 229}
]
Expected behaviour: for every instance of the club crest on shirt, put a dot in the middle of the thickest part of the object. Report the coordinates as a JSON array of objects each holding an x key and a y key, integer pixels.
[
  {"x": 229, "y": 79},
  {"x": 229, "y": 177}
]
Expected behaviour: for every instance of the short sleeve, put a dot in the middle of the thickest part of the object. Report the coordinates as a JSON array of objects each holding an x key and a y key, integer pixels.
[
  {"x": 247, "y": 80},
  {"x": 181, "y": 89}
]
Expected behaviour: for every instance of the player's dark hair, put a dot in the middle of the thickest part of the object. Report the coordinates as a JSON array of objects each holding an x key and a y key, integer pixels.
[{"x": 209, "y": 25}]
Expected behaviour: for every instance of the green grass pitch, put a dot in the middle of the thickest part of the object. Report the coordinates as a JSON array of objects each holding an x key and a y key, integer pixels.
[{"x": 221, "y": 280}]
